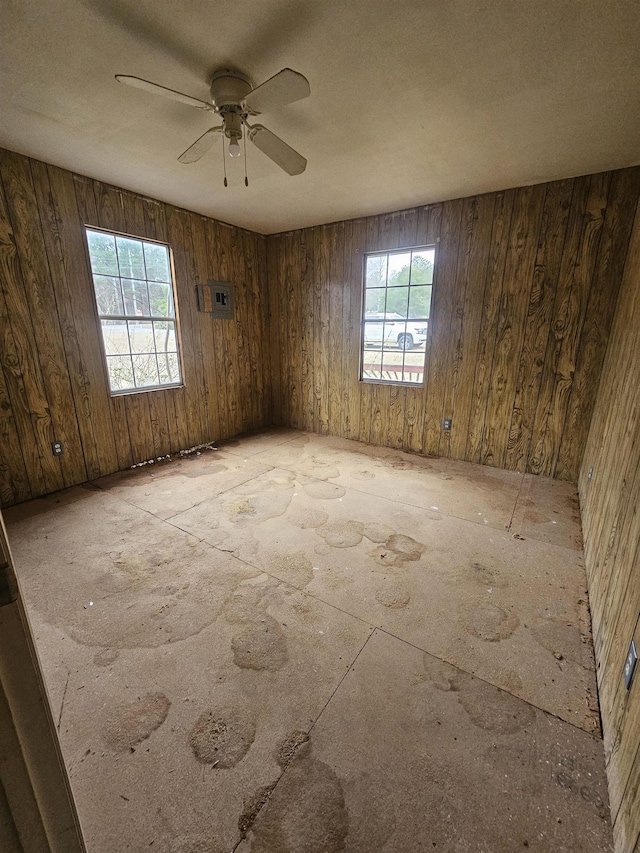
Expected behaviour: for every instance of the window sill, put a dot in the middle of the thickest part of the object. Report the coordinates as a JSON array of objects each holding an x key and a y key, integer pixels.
[
  {"x": 392, "y": 382},
  {"x": 128, "y": 391}
]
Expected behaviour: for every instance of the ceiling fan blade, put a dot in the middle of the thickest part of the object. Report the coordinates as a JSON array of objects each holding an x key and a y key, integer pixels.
[
  {"x": 200, "y": 146},
  {"x": 277, "y": 150},
  {"x": 283, "y": 88},
  {"x": 139, "y": 83}
]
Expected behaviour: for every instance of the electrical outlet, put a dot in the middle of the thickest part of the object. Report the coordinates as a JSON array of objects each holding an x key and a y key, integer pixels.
[
  {"x": 57, "y": 448},
  {"x": 446, "y": 424},
  {"x": 590, "y": 474},
  {"x": 630, "y": 665}
]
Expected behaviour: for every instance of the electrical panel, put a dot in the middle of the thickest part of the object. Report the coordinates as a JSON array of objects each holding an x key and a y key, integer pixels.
[{"x": 216, "y": 298}]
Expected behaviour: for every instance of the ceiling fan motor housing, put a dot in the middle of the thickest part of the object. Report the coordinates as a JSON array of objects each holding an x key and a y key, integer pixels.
[{"x": 229, "y": 88}]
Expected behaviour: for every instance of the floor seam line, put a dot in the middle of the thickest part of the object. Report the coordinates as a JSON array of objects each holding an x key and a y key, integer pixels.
[
  {"x": 339, "y": 685},
  {"x": 217, "y": 495},
  {"x": 593, "y": 735},
  {"x": 108, "y": 491},
  {"x": 322, "y": 710},
  {"x": 515, "y": 506}
]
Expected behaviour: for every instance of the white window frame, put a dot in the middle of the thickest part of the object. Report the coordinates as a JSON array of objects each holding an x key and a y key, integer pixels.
[
  {"x": 130, "y": 319},
  {"x": 395, "y": 325}
]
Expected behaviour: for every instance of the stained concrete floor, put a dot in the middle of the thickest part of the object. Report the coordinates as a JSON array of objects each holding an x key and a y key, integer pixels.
[{"x": 300, "y": 643}]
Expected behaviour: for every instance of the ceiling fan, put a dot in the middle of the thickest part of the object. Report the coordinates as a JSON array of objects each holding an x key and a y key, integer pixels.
[{"x": 234, "y": 99}]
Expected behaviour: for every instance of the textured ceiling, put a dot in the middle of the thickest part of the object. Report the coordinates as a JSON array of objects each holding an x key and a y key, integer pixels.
[{"x": 411, "y": 102}]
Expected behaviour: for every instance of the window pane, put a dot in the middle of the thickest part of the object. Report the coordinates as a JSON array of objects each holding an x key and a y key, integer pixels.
[
  {"x": 371, "y": 362},
  {"x": 422, "y": 267},
  {"x": 130, "y": 258},
  {"x": 399, "y": 267},
  {"x": 108, "y": 295},
  {"x": 141, "y": 336},
  {"x": 414, "y": 365},
  {"x": 376, "y": 271},
  {"x": 157, "y": 262},
  {"x": 102, "y": 251},
  {"x": 120, "y": 372},
  {"x": 160, "y": 300},
  {"x": 165, "y": 337},
  {"x": 374, "y": 301},
  {"x": 392, "y": 362},
  {"x": 413, "y": 375},
  {"x": 114, "y": 335},
  {"x": 388, "y": 333},
  {"x": 136, "y": 298},
  {"x": 145, "y": 370},
  {"x": 420, "y": 301},
  {"x": 398, "y": 301},
  {"x": 169, "y": 367}
]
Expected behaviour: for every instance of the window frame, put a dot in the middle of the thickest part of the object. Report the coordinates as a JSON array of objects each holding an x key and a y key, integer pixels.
[
  {"x": 401, "y": 383},
  {"x": 125, "y": 317}
]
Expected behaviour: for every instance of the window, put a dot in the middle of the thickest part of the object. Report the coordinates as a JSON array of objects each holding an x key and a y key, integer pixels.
[
  {"x": 397, "y": 299},
  {"x": 135, "y": 299}
]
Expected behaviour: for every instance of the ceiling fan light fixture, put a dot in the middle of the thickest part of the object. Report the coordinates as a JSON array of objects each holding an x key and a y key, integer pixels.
[{"x": 234, "y": 147}]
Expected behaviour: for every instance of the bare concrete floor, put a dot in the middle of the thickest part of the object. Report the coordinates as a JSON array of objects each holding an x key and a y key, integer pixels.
[{"x": 300, "y": 643}]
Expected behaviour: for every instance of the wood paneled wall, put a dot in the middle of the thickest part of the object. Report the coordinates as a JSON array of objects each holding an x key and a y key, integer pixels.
[
  {"x": 526, "y": 283},
  {"x": 611, "y": 520},
  {"x": 53, "y": 382}
]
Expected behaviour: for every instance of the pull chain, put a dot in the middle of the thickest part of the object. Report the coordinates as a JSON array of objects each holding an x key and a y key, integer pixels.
[
  {"x": 224, "y": 162},
  {"x": 244, "y": 143}
]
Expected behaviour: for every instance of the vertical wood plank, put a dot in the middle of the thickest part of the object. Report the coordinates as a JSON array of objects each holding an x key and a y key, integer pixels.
[
  {"x": 14, "y": 481},
  {"x": 254, "y": 388},
  {"x": 189, "y": 421},
  {"x": 243, "y": 358},
  {"x": 274, "y": 290},
  {"x": 307, "y": 270},
  {"x": 518, "y": 275},
  {"x": 501, "y": 227},
  {"x": 201, "y": 273},
  {"x": 572, "y": 310},
  {"x": 40, "y": 299},
  {"x": 321, "y": 336},
  {"x": 442, "y": 302},
  {"x": 477, "y": 223},
  {"x": 216, "y": 265},
  {"x": 539, "y": 313},
  {"x": 264, "y": 309},
  {"x": 18, "y": 318},
  {"x": 335, "y": 307},
  {"x": 541, "y": 452}
]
